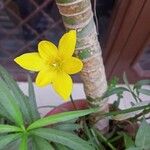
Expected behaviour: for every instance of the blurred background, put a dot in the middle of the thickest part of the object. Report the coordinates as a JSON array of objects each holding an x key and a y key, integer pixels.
[
  {"x": 23, "y": 23},
  {"x": 124, "y": 34}
]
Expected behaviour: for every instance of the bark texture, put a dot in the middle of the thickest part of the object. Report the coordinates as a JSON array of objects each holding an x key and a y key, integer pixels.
[{"x": 77, "y": 14}]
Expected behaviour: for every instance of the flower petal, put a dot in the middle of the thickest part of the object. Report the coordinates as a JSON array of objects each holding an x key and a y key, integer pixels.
[
  {"x": 72, "y": 65},
  {"x": 62, "y": 84},
  {"x": 30, "y": 61},
  {"x": 67, "y": 44},
  {"x": 45, "y": 77},
  {"x": 47, "y": 50}
]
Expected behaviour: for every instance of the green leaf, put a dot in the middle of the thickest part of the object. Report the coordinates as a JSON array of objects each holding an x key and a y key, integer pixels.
[
  {"x": 2, "y": 120},
  {"x": 60, "y": 118},
  {"x": 126, "y": 80},
  {"x": 142, "y": 82},
  {"x": 144, "y": 91},
  {"x": 102, "y": 138},
  {"x": 9, "y": 128},
  {"x": 113, "y": 91},
  {"x": 13, "y": 145},
  {"x": 89, "y": 135},
  {"x": 6, "y": 139},
  {"x": 7, "y": 100},
  {"x": 136, "y": 98},
  {"x": 42, "y": 144},
  {"x": 33, "y": 144},
  {"x": 18, "y": 94},
  {"x": 143, "y": 136},
  {"x": 24, "y": 144},
  {"x": 128, "y": 141},
  {"x": 132, "y": 114},
  {"x": 70, "y": 140},
  {"x": 33, "y": 106},
  {"x": 134, "y": 148},
  {"x": 113, "y": 83},
  {"x": 61, "y": 147},
  {"x": 113, "y": 113},
  {"x": 68, "y": 127},
  {"x": 4, "y": 113}
]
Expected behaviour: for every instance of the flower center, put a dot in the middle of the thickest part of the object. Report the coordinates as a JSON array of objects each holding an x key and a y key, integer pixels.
[{"x": 56, "y": 64}]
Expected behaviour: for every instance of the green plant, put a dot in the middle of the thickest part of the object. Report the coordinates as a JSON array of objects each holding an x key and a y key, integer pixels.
[
  {"x": 23, "y": 127},
  {"x": 124, "y": 132},
  {"x": 141, "y": 139}
]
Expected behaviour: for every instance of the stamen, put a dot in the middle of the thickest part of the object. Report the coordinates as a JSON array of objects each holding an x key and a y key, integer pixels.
[{"x": 55, "y": 65}]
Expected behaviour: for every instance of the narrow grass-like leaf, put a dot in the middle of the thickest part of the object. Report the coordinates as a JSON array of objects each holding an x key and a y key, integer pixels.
[
  {"x": 18, "y": 94},
  {"x": 9, "y": 128},
  {"x": 33, "y": 106},
  {"x": 127, "y": 110},
  {"x": 136, "y": 98},
  {"x": 144, "y": 91},
  {"x": 42, "y": 144},
  {"x": 89, "y": 135},
  {"x": 6, "y": 139},
  {"x": 60, "y": 118},
  {"x": 101, "y": 137},
  {"x": 70, "y": 140},
  {"x": 24, "y": 144},
  {"x": 7, "y": 100},
  {"x": 132, "y": 114},
  {"x": 117, "y": 90},
  {"x": 126, "y": 80},
  {"x": 142, "y": 82}
]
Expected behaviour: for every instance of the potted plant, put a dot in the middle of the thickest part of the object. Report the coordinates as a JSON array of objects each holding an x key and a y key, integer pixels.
[{"x": 22, "y": 127}]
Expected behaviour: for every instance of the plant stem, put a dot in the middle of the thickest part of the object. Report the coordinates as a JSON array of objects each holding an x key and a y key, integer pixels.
[
  {"x": 104, "y": 139},
  {"x": 137, "y": 99},
  {"x": 96, "y": 139},
  {"x": 115, "y": 138},
  {"x": 71, "y": 98}
]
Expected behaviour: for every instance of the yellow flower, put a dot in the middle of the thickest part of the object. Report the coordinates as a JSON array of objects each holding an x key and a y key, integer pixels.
[{"x": 54, "y": 65}]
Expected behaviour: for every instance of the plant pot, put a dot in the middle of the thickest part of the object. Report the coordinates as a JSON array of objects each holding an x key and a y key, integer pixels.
[{"x": 68, "y": 106}]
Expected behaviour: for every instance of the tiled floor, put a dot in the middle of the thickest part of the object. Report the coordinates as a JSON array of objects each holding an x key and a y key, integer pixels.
[{"x": 47, "y": 97}]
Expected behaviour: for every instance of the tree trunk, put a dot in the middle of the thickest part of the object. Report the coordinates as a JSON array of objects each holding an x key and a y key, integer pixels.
[{"x": 77, "y": 14}]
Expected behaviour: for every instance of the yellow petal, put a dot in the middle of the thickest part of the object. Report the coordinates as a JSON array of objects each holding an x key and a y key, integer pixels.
[
  {"x": 45, "y": 77},
  {"x": 62, "y": 84},
  {"x": 30, "y": 61},
  {"x": 72, "y": 65},
  {"x": 47, "y": 50},
  {"x": 67, "y": 44}
]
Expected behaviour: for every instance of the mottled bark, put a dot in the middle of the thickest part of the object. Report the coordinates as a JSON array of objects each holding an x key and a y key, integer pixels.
[{"x": 77, "y": 14}]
